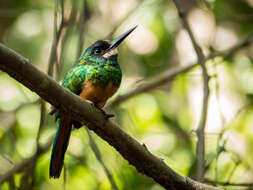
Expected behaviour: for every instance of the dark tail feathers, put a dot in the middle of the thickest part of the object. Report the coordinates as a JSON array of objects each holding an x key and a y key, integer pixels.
[{"x": 61, "y": 142}]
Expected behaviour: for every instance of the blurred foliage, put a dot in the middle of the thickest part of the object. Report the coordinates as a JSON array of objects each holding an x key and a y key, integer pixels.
[{"x": 164, "y": 119}]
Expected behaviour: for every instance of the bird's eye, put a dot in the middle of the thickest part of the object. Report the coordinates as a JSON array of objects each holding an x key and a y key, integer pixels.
[{"x": 97, "y": 51}]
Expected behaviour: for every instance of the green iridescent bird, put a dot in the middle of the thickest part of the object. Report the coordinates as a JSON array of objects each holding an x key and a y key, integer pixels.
[{"x": 96, "y": 78}]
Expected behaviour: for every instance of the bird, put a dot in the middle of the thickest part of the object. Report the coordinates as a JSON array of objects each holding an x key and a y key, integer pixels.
[{"x": 95, "y": 78}]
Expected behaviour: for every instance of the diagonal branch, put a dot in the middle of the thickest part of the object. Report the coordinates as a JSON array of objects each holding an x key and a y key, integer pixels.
[
  {"x": 146, "y": 163},
  {"x": 155, "y": 83},
  {"x": 246, "y": 41},
  {"x": 169, "y": 75}
]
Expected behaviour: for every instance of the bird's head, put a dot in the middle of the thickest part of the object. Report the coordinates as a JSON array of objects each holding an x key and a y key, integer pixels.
[{"x": 103, "y": 50}]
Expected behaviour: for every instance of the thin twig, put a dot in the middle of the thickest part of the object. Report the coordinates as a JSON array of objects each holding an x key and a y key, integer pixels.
[
  {"x": 201, "y": 127},
  {"x": 19, "y": 167},
  {"x": 42, "y": 121},
  {"x": 221, "y": 147},
  {"x": 169, "y": 75},
  {"x": 31, "y": 171},
  {"x": 70, "y": 25},
  {"x": 152, "y": 84},
  {"x": 98, "y": 156},
  {"x": 246, "y": 41},
  {"x": 56, "y": 38},
  {"x": 228, "y": 183},
  {"x": 233, "y": 171},
  {"x": 84, "y": 15}
]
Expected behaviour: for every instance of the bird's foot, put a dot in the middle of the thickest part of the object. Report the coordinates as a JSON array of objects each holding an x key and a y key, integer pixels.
[
  {"x": 91, "y": 103},
  {"x": 107, "y": 116}
]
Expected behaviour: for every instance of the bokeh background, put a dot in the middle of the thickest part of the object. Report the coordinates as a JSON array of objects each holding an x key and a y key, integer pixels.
[{"x": 165, "y": 118}]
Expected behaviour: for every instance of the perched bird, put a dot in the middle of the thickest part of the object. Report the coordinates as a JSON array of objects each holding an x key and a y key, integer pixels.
[{"x": 96, "y": 77}]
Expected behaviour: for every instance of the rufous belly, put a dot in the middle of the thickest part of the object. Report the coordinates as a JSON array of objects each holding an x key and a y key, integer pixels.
[{"x": 97, "y": 94}]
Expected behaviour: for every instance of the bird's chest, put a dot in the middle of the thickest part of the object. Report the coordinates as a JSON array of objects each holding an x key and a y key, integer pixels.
[
  {"x": 98, "y": 94},
  {"x": 102, "y": 75},
  {"x": 100, "y": 84}
]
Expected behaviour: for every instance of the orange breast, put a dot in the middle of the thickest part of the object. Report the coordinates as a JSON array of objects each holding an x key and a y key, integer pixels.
[{"x": 97, "y": 94}]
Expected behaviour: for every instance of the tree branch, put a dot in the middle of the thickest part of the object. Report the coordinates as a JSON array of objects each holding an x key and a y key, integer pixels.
[
  {"x": 174, "y": 72},
  {"x": 202, "y": 123},
  {"x": 146, "y": 163},
  {"x": 152, "y": 84}
]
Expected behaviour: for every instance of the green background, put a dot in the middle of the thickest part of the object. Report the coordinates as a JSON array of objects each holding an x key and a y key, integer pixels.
[{"x": 164, "y": 119}]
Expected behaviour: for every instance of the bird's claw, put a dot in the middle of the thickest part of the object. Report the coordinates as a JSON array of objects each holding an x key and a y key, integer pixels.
[
  {"x": 107, "y": 116},
  {"x": 91, "y": 103}
]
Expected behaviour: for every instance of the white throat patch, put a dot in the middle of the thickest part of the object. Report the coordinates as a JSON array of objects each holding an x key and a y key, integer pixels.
[{"x": 110, "y": 53}]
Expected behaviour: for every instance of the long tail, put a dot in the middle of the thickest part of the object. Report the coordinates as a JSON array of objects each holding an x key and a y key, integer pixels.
[{"x": 61, "y": 142}]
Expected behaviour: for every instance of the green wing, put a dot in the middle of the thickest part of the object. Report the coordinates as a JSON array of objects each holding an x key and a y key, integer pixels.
[{"x": 74, "y": 79}]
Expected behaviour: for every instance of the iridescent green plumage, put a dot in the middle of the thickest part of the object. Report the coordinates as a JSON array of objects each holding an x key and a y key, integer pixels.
[
  {"x": 97, "y": 69},
  {"x": 96, "y": 77}
]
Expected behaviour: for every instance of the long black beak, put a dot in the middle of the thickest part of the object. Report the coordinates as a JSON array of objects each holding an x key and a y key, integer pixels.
[{"x": 115, "y": 43}]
